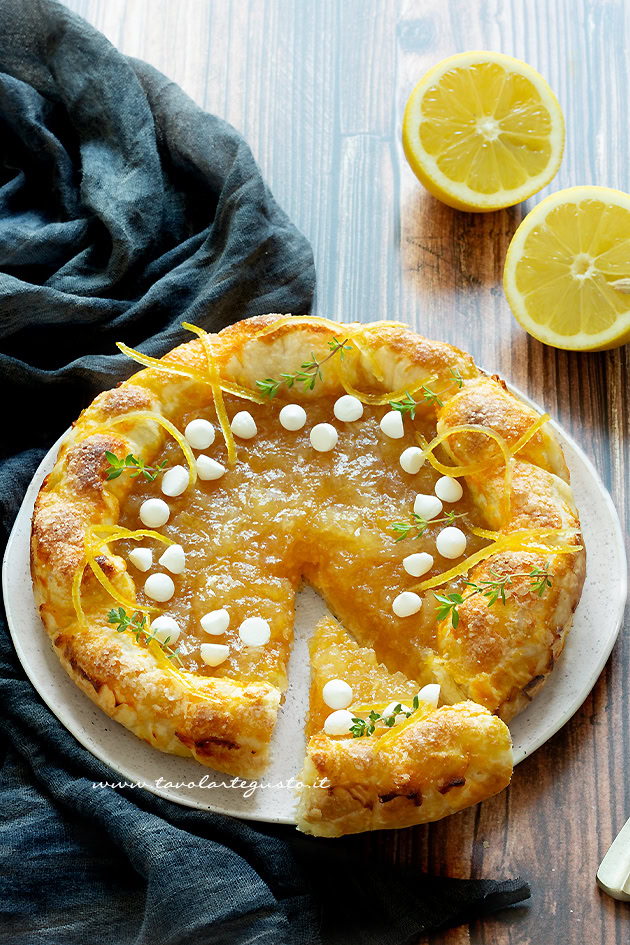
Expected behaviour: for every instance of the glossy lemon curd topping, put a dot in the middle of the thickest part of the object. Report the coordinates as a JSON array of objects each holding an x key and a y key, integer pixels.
[{"x": 286, "y": 513}]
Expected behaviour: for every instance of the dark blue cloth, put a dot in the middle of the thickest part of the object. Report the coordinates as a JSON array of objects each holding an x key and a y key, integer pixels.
[{"x": 125, "y": 209}]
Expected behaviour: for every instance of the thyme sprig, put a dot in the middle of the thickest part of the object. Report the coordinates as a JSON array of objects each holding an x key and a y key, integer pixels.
[
  {"x": 492, "y": 590},
  {"x": 361, "y": 727},
  {"x": 135, "y": 463},
  {"x": 421, "y": 524},
  {"x": 430, "y": 397},
  {"x": 308, "y": 375},
  {"x": 137, "y": 624}
]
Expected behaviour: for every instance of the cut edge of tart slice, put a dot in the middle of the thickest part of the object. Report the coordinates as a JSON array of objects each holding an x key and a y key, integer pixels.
[{"x": 429, "y": 763}]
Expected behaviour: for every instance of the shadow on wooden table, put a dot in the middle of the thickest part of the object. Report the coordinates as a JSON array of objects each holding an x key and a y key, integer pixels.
[
  {"x": 444, "y": 249},
  {"x": 518, "y": 833}
]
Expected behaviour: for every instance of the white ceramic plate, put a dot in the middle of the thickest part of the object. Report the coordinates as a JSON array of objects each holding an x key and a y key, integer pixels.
[{"x": 186, "y": 782}]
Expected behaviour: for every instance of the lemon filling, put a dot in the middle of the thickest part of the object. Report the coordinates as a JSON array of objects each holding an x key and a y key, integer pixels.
[{"x": 318, "y": 495}]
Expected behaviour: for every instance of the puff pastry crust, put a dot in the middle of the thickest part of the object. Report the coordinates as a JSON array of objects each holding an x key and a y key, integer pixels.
[{"x": 496, "y": 657}]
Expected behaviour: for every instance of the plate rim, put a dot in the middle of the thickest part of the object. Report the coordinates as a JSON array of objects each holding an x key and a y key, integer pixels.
[
  {"x": 579, "y": 700},
  {"x": 121, "y": 769}
]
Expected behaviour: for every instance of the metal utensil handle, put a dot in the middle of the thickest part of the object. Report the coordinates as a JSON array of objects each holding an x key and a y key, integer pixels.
[{"x": 613, "y": 875}]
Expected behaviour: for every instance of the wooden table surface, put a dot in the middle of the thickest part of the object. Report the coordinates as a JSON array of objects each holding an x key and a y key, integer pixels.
[{"x": 318, "y": 87}]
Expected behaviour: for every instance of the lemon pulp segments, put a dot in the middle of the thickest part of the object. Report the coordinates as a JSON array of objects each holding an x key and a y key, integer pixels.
[
  {"x": 483, "y": 131},
  {"x": 567, "y": 268}
]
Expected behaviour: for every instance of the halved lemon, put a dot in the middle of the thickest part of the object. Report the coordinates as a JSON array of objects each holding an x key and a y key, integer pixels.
[
  {"x": 483, "y": 131},
  {"x": 567, "y": 270}
]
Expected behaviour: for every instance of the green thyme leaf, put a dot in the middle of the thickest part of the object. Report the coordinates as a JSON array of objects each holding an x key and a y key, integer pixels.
[
  {"x": 308, "y": 374},
  {"x": 137, "y": 625},
  {"x": 420, "y": 524},
  {"x": 492, "y": 589},
  {"x": 135, "y": 465},
  {"x": 405, "y": 406}
]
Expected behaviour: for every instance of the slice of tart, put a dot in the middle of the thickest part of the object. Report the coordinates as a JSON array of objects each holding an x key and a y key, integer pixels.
[{"x": 381, "y": 754}]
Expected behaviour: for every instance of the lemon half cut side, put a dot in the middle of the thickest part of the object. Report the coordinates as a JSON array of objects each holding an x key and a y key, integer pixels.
[
  {"x": 567, "y": 270},
  {"x": 483, "y": 131}
]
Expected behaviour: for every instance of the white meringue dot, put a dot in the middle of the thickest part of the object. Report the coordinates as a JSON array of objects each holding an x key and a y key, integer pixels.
[
  {"x": 448, "y": 489},
  {"x": 451, "y": 542},
  {"x": 213, "y": 654},
  {"x": 391, "y": 710},
  {"x": 337, "y": 694},
  {"x": 174, "y": 559},
  {"x": 430, "y": 693},
  {"x": 175, "y": 481},
  {"x": 292, "y": 417},
  {"x": 412, "y": 460},
  {"x": 254, "y": 631},
  {"x": 215, "y": 622},
  {"x": 165, "y": 629},
  {"x": 427, "y": 506},
  {"x": 406, "y": 604},
  {"x": 141, "y": 558},
  {"x": 323, "y": 437},
  {"x": 199, "y": 434},
  {"x": 338, "y": 723},
  {"x": 418, "y": 564},
  {"x": 244, "y": 425},
  {"x": 348, "y": 408},
  {"x": 209, "y": 469},
  {"x": 154, "y": 513},
  {"x": 392, "y": 425},
  {"x": 159, "y": 587}
]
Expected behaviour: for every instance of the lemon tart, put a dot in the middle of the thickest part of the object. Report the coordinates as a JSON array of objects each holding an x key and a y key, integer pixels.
[{"x": 427, "y": 504}]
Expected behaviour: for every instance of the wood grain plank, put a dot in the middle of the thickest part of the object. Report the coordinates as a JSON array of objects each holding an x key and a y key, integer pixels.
[
  {"x": 367, "y": 50},
  {"x": 319, "y": 90},
  {"x": 589, "y": 394},
  {"x": 363, "y": 285}
]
